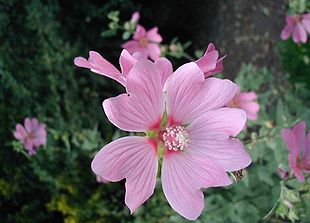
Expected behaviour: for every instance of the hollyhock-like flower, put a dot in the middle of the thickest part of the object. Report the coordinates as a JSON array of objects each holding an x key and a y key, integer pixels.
[
  {"x": 297, "y": 26},
  {"x": 135, "y": 17},
  {"x": 248, "y": 102},
  {"x": 145, "y": 42},
  {"x": 210, "y": 63},
  {"x": 32, "y": 134},
  {"x": 298, "y": 145},
  {"x": 186, "y": 121}
]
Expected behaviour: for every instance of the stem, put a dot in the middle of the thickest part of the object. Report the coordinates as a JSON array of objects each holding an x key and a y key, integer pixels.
[{"x": 189, "y": 57}]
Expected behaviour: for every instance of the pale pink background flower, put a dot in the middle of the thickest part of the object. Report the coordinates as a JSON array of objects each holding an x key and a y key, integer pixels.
[
  {"x": 135, "y": 17},
  {"x": 210, "y": 63},
  {"x": 248, "y": 102},
  {"x": 197, "y": 139},
  {"x": 297, "y": 26},
  {"x": 96, "y": 63},
  {"x": 298, "y": 145},
  {"x": 145, "y": 42},
  {"x": 32, "y": 134}
]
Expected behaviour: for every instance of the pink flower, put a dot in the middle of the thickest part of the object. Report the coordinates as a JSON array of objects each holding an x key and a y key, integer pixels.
[
  {"x": 248, "y": 102},
  {"x": 145, "y": 42},
  {"x": 96, "y": 63},
  {"x": 135, "y": 17},
  {"x": 32, "y": 134},
  {"x": 297, "y": 26},
  {"x": 186, "y": 121},
  {"x": 210, "y": 63},
  {"x": 298, "y": 145}
]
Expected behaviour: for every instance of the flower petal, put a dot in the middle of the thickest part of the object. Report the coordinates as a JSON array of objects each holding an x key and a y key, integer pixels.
[
  {"x": 299, "y": 34},
  {"x": 28, "y": 125},
  {"x": 288, "y": 29},
  {"x": 142, "y": 108},
  {"x": 126, "y": 61},
  {"x": 189, "y": 94},
  {"x": 165, "y": 68},
  {"x": 133, "y": 158},
  {"x": 210, "y": 137},
  {"x": 183, "y": 175},
  {"x": 20, "y": 132},
  {"x": 153, "y": 35},
  {"x": 139, "y": 33},
  {"x": 306, "y": 22},
  {"x": 97, "y": 64},
  {"x": 207, "y": 62},
  {"x": 153, "y": 51}
]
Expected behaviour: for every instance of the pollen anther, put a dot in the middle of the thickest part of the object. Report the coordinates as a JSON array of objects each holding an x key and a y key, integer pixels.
[{"x": 176, "y": 138}]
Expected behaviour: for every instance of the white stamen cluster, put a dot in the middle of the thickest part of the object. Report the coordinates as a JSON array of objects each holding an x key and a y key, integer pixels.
[{"x": 176, "y": 138}]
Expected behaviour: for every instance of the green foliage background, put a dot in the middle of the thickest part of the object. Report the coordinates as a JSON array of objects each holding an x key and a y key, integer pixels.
[{"x": 38, "y": 79}]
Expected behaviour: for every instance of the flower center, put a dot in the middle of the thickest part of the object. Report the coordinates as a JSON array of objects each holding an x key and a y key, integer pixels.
[
  {"x": 175, "y": 138},
  {"x": 31, "y": 135},
  {"x": 143, "y": 42},
  {"x": 297, "y": 19}
]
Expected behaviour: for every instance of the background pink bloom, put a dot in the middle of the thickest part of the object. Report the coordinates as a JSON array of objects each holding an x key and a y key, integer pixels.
[
  {"x": 298, "y": 145},
  {"x": 198, "y": 142},
  {"x": 248, "y": 102},
  {"x": 297, "y": 26},
  {"x": 135, "y": 17},
  {"x": 145, "y": 42},
  {"x": 210, "y": 63},
  {"x": 32, "y": 134}
]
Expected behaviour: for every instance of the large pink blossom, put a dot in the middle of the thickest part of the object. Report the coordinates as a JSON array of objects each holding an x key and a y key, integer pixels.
[
  {"x": 298, "y": 145},
  {"x": 186, "y": 121},
  {"x": 297, "y": 26},
  {"x": 32, "y": 134},
  {"x": 210, "y": 63},
  {"x": 145, "y": 42},
  {"x": 248, "y": 102}
]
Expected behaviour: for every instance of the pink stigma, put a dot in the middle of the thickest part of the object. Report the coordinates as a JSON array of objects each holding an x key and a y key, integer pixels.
[{"x": 176, "y": 138}]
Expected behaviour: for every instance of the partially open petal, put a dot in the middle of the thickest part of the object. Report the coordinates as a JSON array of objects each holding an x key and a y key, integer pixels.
[
  {"x": 142, "y": 108},
  {"x": 153, "y": 35},
  {"x": 28, "y": 125},
  {"x": 96, "y": 63},
  {"x": 165, "y": 68},
  {"x": 190, "y": 95},
  {"x": 183, "y": 175},
  {"x": 207, "y": 62},
  {"x": 133, "y": 158},
  {"x": 299, "y": 34},
  {"x": 126, "y": 61},
  {"x": 210, "y": 137}
]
